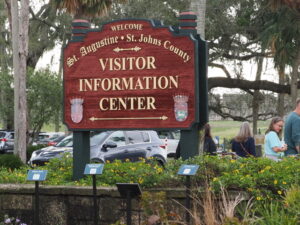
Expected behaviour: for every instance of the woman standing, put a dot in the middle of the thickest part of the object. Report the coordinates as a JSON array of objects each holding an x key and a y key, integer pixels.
[
  {"x": 209, "y": 144},
  {"x": 243, "y": 144},
  {"x": 273, "y": 145}
]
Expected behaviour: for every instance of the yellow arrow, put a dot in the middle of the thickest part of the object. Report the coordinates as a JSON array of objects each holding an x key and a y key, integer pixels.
[{"x": 131, "y": 118}]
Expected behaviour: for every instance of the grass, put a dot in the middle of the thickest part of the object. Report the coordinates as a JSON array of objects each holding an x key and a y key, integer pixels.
[{"x": 229, "y": 129}]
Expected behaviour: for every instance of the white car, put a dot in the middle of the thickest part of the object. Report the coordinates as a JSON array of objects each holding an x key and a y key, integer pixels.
[{"x": 170, "y": 139}]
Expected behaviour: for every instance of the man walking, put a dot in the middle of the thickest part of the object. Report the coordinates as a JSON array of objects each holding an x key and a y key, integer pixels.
[{"x": 292, "y": 131}]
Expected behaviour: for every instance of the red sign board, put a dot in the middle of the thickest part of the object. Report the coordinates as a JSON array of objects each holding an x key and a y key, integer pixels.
[{"x": 130, "y": 74}]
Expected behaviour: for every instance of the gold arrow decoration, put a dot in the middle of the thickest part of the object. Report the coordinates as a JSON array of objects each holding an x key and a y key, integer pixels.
[
  {"x": 131, "y": 118},
  {"x": 136, "y": 48}
]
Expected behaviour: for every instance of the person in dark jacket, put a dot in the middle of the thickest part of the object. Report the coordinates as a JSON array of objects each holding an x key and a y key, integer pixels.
[
  {"x": 209, "y": 144},
  {"x": 243, "y": 144}
]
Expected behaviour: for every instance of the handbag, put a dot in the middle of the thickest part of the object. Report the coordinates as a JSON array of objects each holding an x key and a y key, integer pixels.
[{"x": 244, "y": 149}]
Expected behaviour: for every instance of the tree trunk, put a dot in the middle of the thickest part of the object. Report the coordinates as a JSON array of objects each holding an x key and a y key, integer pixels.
[
  {"x": 16, "y": 62},
  {"x": 280, "y": 103},
  {"x": 257, "y": 96},
  {"x": 56, "y": 121},
  {"x": 24, "y": 18},
  {"x": 20, "y": 24},
  {"x": 3, "y": 67},
  {"x": 2, "y": 101},
  {"x": 199, "y": 7},
  {"x": 294, "y": 80}
]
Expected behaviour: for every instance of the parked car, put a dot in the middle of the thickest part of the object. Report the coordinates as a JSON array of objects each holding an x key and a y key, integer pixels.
[
  {"x": 41, "y": 156},
  {"x": 171, "y": 141},
  {"x": 55, "y": 140},
  {"x": 6, "y": 141},
  {"x": 132, "y": 145},
  {"x": 43, "y": 137},
  {"x": 110, "y": 145}
]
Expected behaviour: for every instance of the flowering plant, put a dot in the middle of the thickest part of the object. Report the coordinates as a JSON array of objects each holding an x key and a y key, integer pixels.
[{"x": 11, "y": 221}]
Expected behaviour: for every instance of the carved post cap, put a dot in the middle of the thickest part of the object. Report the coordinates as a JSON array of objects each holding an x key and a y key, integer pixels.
[
  {"x": 79, "y": 29},
  {"x": 187, "y": 20}
]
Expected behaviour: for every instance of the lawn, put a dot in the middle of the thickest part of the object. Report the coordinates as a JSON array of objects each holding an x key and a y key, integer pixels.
[{"x": 229, "y": 129}]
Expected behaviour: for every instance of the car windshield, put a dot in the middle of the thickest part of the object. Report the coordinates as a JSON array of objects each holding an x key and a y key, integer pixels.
[
  {"x": 97, "y": 138},
  {"x": 56, "y": 138},
  {"x": 66, "y": 142}
]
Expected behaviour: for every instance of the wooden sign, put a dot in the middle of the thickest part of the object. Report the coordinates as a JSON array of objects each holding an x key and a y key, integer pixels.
[{"x": 131, "y": 74}]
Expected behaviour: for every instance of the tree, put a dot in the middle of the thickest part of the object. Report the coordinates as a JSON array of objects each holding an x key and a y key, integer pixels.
[
  {"x": 6, "y": 111},
  {"x": 80, "y": 8},
  {"x": 44, "y": 98},
  {"x": 281, "y": 35},
  {"x": 20, "y": 25},
  {"x": 293, "y": 4},
  {"x": 166, "y": 11},
  {"x": 7, "y": 99},
  {"x": 257, "y": 96},
  {"x": 48, "y": 27}
]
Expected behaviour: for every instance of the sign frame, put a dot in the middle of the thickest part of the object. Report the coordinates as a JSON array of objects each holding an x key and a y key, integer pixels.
[
  {"x": 188, "y": 170},
  {"x": 174, "y": 32},
  {"x": 93, "y": 169},
  {"x": 37, "y": 175}
]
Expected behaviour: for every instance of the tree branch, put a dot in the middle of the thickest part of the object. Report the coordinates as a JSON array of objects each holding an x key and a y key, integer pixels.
[
  {"x": 226, "y": 82},
  {"x": 218, "y": 110},
  {"x": 222, "y": 67},
  {"x": 34, "y": 17}
]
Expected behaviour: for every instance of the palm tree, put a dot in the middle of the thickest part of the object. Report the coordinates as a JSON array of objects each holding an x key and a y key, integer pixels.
[
  {"x": 282, "y": 34},
  {"x": 85, "y": 8},
  {"x": 294, "y": 4}
]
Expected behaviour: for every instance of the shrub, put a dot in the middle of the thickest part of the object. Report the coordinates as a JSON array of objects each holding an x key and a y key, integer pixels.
[
  {"x": 261, "y": 178},
  {"x": 10, "y": 161}
]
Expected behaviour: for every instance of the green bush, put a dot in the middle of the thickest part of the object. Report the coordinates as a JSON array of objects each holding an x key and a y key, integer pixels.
[
  {"x": 259, "y": 177},
  {"x": 10, "y": 161}
]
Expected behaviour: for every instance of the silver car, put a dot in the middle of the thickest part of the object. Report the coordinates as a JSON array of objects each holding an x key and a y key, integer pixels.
[
  {"x": 6, "y": 141},
  {"x": 109, "y": 146},
  {"x": 41, "y": 156},
  {"x": 132, "y": 145}
]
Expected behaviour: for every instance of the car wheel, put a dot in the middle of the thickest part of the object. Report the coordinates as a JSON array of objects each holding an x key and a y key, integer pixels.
[
  {"x": 160, "y": 161},
  {"x": 96, "y": 160},
  {"x": 172, "y": 155}
]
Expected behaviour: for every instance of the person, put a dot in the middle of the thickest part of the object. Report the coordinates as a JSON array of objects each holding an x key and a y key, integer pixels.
[
  {"x": 273, "y": 146},
  {"x": 292, "y": 131},
  {"x": 243, "y": 144},
  {"x": 209, "y": 144}
]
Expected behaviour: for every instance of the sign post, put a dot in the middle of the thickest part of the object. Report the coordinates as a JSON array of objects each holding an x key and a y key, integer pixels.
[
  {"x": 36, "y": 175},
  {"x": 129, "y": 191},
  {"x": 94, "y": 169},
  {"x": 187, "y": 171}
]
